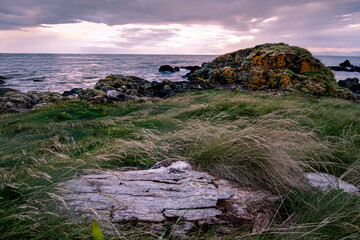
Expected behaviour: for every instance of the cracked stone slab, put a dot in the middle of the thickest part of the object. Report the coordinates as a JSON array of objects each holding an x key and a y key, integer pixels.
[
  {"x": 326, "y": 181},
  {"x": 150, "y": 195}
]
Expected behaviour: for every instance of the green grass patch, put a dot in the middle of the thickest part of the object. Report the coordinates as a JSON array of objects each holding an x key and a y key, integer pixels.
[{"x": 261, "y": 140}]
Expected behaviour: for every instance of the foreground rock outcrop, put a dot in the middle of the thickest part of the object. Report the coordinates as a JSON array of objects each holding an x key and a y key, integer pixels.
[
  {"x": 174, "y": 192},
  {"x": 271, "y": 66},
  {"x": 13, "y": 101},
  {"x": 167, "y": 192}
]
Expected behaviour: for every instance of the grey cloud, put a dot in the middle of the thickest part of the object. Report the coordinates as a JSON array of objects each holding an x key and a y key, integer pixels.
[
  {"x": 144, "y": 37},
  {"x": 20, "y": 13},
  {"x": 306, "y": 26}
]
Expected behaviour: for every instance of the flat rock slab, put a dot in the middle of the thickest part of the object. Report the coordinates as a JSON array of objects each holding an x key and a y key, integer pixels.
[
  {"x": 146, "y": 195},
  {"x": 326, "y": 181}
]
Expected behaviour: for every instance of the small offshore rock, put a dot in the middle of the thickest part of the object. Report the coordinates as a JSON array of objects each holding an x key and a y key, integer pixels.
[
  {"x": 4, "y": 78},
  {"x": 346, "y": 66},
  {"x": 346, "y": 63},
  {"x": 168, "y": 68}
]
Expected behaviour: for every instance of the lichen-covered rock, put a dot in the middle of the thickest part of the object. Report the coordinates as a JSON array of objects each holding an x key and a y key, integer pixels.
[
  {"x": 133, "y": 86},
  {"x": 92, "y": 95},
  {"x": 270, "y": 66},
  {"x": 13, "y": 102}
]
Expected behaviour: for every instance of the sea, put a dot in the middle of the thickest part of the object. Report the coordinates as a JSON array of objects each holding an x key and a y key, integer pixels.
[{"x": 62, "y": 72}]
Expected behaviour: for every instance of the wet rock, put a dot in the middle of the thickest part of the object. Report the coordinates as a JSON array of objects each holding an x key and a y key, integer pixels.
[
  {"x": 192, "y": 70},
  {"x": 346, "y": 63},
  {"x": 345, "y": 66},
  {"x": 326, "y": 181},
  {"x": 4, "y": 78},
  {"x": 72, "y": 91},
  {"x": 168, "y": 68},
  {"x": 160, "y": 196},
  {"x": 2, "y": 82},
  {"x": 3, "y": 91},
  {"x": 352, "y": 84}
]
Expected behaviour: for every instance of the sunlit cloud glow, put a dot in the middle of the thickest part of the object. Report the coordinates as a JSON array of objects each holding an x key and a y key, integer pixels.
[{"x": 176, "y": 27}]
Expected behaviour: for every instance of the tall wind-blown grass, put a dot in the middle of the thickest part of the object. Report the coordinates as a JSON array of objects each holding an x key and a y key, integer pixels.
[
  {"x": 270, "y": 152},
  {"x": 254, "y": 139}
]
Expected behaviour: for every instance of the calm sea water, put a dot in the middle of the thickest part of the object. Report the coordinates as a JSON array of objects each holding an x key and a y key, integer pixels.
[{"x": 61, "y": 72}]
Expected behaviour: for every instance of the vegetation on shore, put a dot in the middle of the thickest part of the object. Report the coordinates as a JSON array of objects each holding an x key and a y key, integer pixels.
[{"x": 257, "y": 139}]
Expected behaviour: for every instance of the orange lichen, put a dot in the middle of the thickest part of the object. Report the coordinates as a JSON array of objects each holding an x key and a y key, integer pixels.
[
  {"x": 306, "y": 66},
  {"x": 200, "y": 79},
  {"x": 227, "y": 71},
  {"x": 285, "y": 81}
]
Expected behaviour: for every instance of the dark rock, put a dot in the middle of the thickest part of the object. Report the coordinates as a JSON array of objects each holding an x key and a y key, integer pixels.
[
  {"x": 72, "y": 91},
  {"x": 168, "y": 68},
  {"x": 2, "y": 82},
  {"x": 3, "y": 91},
  {"x": 337, "y": 68},
  {"x": 345, "y": 69},
  {"x": 345, "y": 66},
  {"x": 346, "y": 63},
  {"x": 4, "y": 78},
  {"x": 349, "y": 83},
  {"x": 191, "y": 68},
  {"x": 352, "y": 84}
]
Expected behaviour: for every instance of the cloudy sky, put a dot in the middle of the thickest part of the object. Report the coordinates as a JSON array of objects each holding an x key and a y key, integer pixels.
[{"x": 177, "y": 26}]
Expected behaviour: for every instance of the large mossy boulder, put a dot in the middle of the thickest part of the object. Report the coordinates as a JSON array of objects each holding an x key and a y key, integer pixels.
[{"x": 271, "y": 66}]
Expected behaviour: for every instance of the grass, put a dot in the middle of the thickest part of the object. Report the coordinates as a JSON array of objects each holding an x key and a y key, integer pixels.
[{"x": 257, "y": 140}]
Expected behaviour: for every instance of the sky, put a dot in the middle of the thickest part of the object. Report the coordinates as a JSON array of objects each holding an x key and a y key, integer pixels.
[{"x": 330, "y": 27}]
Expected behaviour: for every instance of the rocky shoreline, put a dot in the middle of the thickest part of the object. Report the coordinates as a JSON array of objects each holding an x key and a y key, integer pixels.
[
  {"x": 345, "y": 66},
  {"x": 274, "y": 67}
]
